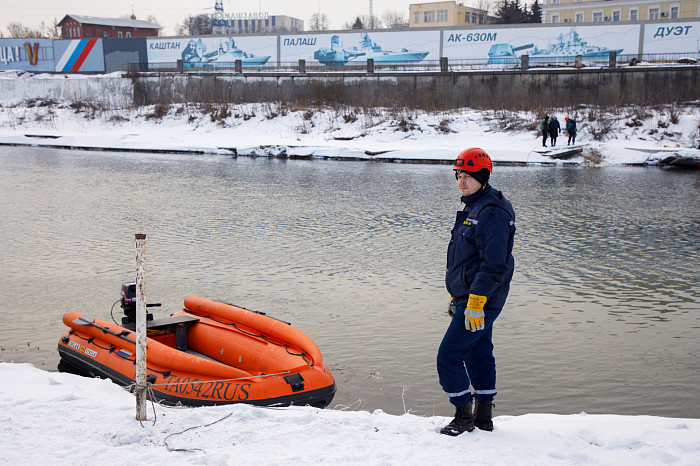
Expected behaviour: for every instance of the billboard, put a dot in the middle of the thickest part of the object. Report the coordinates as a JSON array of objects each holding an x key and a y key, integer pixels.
[
  {"x": 357, "y": 47},
  {"x": 79, "y": 55},
  {"x": 27, "y": 55},
  {"x": 676, "y": 37},
  {"x": 125, "y": 54},
  {"x": 506, "y": 45},
  {"x": 205, "y": 52}
]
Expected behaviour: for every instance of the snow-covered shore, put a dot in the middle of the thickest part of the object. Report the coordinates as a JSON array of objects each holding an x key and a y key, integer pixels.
[
  {"x": 628, "y": 136},
  {"x": 66, "y": 419}
]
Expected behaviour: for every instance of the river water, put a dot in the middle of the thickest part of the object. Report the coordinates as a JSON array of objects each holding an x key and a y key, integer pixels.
[{"x": 603, "y": 314}]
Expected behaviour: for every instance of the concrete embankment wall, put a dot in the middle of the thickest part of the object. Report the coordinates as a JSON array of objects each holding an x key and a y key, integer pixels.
[{"x": 513, "y": 90}]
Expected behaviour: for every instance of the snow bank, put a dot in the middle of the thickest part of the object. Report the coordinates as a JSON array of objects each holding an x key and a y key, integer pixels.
[{"x": 66, "y": 419}]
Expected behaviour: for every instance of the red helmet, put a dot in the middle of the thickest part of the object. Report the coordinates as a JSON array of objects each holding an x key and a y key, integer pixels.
[{"x": 472, "y": 160}]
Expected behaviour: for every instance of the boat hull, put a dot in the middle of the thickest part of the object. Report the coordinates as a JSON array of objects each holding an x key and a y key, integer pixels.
[{"x": 277, "y": 364}]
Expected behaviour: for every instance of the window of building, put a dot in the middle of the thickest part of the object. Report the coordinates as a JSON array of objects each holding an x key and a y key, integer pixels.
[
  {"x": 119, "y": 34},
  {"x": 674, "y": 11},
  {"x": 653, "y": 12},
  {"x": 578, "y": 18},
  {"x": 467, "y": 17},
  {"x": 634, "y": 14},
  {"x": 555, "y": 18},
  {"x": 597, "y": 16},
  {"x": 478, "y": 19},
  {"x": 416, "y": 17},
  {"x": 579, "y": 0},
  {"x": 556, "y": 2},
  {"x": 128, "y": 33},
  {"x": 442, "y": 15},
  {"x": 617, "y": 15},
  {"x": 428, "y": 16},
  {"x": 104, "y": 33}
]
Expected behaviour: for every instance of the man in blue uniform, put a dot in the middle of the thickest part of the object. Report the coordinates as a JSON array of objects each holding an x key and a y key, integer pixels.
[{"x": 479, "y": 269}]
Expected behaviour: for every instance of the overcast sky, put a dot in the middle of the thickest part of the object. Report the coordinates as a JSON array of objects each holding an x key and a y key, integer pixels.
[{"x": 171, "y": 12}]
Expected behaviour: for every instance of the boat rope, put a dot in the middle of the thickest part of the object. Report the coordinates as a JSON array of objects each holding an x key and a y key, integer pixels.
[
  {"x": 150, "y": 395},
  {"x": 164, "y": 374},
  {"x": 113, "y": 349},
  {"x": 165, "y": 440},
  {"x": 258, "y": 335}
]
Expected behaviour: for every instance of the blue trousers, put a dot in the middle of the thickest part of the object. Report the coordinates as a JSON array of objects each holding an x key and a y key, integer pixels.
[{"x": 466, "y": 358}]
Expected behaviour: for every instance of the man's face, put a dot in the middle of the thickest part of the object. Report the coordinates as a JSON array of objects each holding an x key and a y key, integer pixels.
[{"x": 467, "y": 185}]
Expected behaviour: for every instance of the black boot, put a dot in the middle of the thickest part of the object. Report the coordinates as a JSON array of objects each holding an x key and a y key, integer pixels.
[
  {"x": 463, "y": 421},
  {"x": 482, "y": 411}
]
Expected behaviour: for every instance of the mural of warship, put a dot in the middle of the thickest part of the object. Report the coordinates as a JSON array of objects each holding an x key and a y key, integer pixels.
[
  {"x": 566, "y": 46},
  {"x": 337, "y": 55},
  {"x": 195, "y": 54}
]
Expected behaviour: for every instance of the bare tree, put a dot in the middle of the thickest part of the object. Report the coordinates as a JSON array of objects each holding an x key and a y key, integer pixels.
[
  {"x": 393, "y": 20},
  {"x": 155, "y": 21},
  {"x": 371, "y": 22},
  {"x": 20, "y": 31},
  {"x": 318, "y": 22},
  {"x": 487, "y": 5},
  {"x": 194, "y": 26}
]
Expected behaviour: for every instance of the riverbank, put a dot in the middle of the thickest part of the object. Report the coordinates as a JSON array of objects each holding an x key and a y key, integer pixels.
[
  {"x": 630, "y": 136},
  {"x": 66, "y": 419}
]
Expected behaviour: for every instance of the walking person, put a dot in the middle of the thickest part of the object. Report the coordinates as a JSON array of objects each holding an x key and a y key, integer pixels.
[
  {"x": 479, "y": 270},
  {"x": 554, "y": 130},
  {"x": 571, "y": 130},
  {"x": 544, "y": 127}
]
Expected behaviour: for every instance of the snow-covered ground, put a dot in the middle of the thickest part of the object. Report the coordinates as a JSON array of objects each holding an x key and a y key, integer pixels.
[
  {"x": 62, "y": 419},
  {"x": 623, "y": 136}
]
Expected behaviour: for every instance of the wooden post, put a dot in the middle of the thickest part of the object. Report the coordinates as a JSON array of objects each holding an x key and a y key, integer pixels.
[{"x": 141, "y": 371}]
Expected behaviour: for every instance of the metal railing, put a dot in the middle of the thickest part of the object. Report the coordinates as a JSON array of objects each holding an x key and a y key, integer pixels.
[{"x": 444, "y": 65}]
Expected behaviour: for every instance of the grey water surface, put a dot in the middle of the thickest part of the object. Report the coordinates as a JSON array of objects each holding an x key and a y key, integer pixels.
[{"x": 603, "y": 314}]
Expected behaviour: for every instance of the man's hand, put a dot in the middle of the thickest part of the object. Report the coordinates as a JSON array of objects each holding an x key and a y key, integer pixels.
[{"x": 474, "y": 313}]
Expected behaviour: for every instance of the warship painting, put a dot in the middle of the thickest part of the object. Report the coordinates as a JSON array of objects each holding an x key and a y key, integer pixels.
[
  {"x": 566, "y": 47},
  {"x": 337, "y": 55},
  {"x": 195, "y": 54}
]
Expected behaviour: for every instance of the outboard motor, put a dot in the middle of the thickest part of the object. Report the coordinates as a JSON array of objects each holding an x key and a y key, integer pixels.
[{"x": 128, "y": 303}]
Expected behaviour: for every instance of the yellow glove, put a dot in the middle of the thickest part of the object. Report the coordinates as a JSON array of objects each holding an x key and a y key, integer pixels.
[{"x": 474, "y": 313}]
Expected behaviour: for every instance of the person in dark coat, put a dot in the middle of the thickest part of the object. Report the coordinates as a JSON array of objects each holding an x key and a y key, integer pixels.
[
  {"x": 571, "y": 130},
  {"x": 480, "y": 266},
  {"x": 544, "y": 127},
  {"x": 554, "y": 130}
]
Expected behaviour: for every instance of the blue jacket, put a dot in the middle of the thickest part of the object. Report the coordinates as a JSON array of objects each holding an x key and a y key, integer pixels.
[{"x": 480, "y": 254}]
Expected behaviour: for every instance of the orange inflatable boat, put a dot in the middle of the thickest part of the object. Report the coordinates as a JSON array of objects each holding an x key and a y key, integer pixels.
[{"x": 209, "y": 353}]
